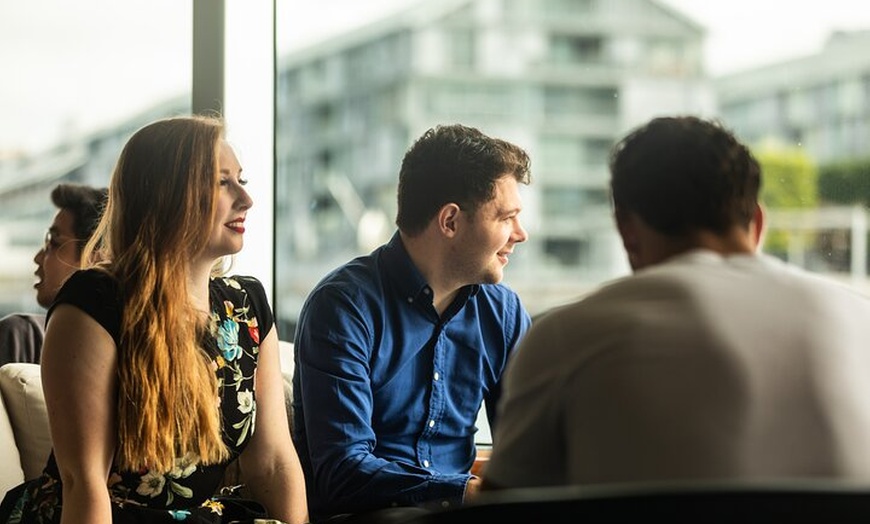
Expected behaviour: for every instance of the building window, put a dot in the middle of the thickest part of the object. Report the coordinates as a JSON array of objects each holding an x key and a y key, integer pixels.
[
  {"x": 461, "y": 48},
  {"x": 567, "y": 201},
  {"x": 577, "y": 101},
  {"x": 577, "y": 50},
  {"x": 468, "y": 100}
]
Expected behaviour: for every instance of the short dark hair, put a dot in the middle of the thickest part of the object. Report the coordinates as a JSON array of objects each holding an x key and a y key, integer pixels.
[
  {"x": 86, "y": 204},
  {"x": 453, "y": 163},
  {"x": 681, "y": 174}
]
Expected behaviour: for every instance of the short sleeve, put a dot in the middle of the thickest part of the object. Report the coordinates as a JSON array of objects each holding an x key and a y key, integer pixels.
[
  {"x": 97, "y": 294},
  {"x": 259, "y": 302}
]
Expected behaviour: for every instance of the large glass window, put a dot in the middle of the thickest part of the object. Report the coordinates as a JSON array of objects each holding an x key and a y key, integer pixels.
[
  {"x": 355, "y": 82},
  {"x": 358, "y": 81},
  {"x": 79, "y": 78},
  {"x": 564, "y": 78}
]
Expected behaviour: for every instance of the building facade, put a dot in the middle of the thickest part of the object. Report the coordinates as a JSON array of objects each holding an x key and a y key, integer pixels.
[
  {"x": 819, "y": 102},
  {"x": 562, "y": 78},
  {"x": 25, "y": 195}
]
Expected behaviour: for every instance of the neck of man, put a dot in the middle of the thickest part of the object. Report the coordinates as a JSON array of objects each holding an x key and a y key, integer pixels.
[
  {"x": 735, "y": 241},
  {"x": 428, "y": 255}
]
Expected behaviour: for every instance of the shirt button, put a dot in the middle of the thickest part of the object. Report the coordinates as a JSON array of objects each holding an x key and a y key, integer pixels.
[
  {"x": 425, "y": 463},
  {"x": 437, "y": 376},
  {"x": 410, "y": 300},
  {"x": 431, "y": 423}
]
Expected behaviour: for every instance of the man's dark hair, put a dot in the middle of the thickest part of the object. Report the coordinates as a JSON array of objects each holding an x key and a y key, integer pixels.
[
  {"x": 453, "y": 163},
  {"x": 683, "y": 173},
  {"x": 86, "y": 204}
]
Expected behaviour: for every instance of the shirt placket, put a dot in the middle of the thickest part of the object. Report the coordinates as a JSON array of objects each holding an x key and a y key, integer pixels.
[{"x": 436, "y": 402}]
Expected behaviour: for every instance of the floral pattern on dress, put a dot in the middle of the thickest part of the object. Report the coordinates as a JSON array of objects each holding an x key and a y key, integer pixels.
[
  {"x": 233, "y": 361},
  {"x": 187, "y": 491}
]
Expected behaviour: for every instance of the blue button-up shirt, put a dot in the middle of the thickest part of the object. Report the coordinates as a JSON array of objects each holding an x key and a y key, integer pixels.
[{"x": 386, "y": 392}]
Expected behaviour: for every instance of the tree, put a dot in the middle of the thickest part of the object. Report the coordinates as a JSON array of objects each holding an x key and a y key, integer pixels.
[
  {"x": 846, "y": 182},
  {"x": 789, "y": 181}
]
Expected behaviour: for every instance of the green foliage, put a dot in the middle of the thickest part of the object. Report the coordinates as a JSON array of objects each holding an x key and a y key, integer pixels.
[
  {"x": 846, "y": 182},
  {"x": 789, "y": 178},
  {"x": 789, "y": 181}
]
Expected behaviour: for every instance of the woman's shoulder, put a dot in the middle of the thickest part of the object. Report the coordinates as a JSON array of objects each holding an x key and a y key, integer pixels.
[
  {"x": 93, "y": 285},
  {"x": 97, "y": 293},
  {"x": 244, "y": 295},
  {"x": 94, "y": 276}
]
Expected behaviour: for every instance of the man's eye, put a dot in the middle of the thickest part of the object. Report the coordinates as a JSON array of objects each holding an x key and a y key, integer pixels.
[{"x": 243, "y": 181}]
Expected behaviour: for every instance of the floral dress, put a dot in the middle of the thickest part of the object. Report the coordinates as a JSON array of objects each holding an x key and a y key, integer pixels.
[{"x": 240, "y": 314}]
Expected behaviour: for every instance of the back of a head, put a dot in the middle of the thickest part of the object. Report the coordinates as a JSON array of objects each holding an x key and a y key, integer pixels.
[
  {"x": 681, "y": 174},
  {"x": 453, "y": 163},
  {"x": 86, "y": 204}
]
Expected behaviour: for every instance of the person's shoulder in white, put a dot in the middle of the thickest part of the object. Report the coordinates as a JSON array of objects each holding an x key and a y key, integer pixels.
[{"x": 710, "y": 360}]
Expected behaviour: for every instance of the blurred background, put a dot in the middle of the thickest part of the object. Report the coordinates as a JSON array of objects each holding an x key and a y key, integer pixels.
[{"x": 348, "y": 85}]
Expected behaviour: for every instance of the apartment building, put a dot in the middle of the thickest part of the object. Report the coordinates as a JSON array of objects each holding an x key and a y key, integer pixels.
[
  {"x": 562, "y": 78},
  {"x": 25, "y": 187},
  {"x": 819, "y": 102}
]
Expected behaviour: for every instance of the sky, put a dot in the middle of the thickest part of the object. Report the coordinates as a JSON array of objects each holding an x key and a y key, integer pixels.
[{"x": 54, "y": 54}]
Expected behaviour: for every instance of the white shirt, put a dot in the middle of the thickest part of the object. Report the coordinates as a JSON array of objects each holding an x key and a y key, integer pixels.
[{"x": 702, "y": 367}]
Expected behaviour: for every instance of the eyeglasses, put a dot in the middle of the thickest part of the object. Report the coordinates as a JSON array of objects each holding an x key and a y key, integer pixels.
[{"x": 52, "y": 241}]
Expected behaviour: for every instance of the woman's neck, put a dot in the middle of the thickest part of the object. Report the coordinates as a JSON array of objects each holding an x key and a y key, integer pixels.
[{"x": 197, "y": 286}]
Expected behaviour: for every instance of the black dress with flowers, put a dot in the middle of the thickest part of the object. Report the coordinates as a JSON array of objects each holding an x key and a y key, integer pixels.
[{"x": 240, "y": 314}]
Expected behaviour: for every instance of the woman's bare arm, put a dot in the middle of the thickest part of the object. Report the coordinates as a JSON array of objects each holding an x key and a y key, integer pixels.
[
  {"x": 270, "y": 465},
  {"x": 79, "y": 364}
]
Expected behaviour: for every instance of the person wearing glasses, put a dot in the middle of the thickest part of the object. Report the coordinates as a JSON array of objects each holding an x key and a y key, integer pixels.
[
  {"x": 160, "y": 369},
  {"x": 79, "y": 208}
]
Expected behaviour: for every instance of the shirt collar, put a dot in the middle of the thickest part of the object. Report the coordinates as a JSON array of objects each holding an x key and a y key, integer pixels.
[{"x": 407, "y": 278}]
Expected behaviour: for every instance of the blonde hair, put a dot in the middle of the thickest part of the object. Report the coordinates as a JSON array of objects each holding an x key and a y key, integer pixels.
[{"x": 160, "y": 210}]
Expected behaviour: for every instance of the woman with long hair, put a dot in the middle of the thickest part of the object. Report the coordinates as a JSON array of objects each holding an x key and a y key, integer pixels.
[{"x": 157, "y": 371}]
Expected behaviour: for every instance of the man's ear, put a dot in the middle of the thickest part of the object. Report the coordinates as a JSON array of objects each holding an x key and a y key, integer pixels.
[
  {"x": 757, "y": 227},
  {"x": 447, "y": 219},
  {"x": 626, "y": 224},
  {"x": 626, "y": 227}
]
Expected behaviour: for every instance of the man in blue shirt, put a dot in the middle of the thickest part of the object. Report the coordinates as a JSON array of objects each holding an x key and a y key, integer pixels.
[{"x": 397, "y": 350}]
